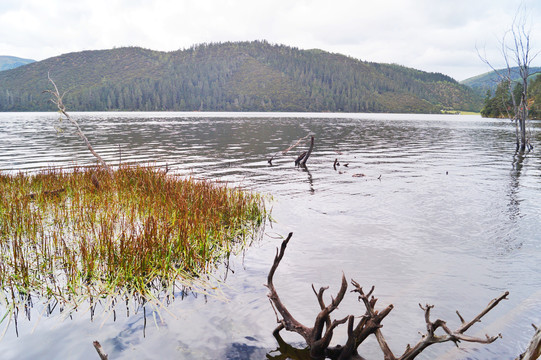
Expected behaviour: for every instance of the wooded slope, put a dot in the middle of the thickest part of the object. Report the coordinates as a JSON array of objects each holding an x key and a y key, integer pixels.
[
  {"x": 490, "y": 80},
  {"x": 241, "y": 76}
]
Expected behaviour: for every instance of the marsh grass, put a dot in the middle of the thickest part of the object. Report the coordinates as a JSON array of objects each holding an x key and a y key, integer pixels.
[{"x": 138, "y": 235}]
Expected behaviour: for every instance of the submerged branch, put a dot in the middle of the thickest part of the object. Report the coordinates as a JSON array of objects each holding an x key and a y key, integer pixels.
[{"x": 283, "y": 152}]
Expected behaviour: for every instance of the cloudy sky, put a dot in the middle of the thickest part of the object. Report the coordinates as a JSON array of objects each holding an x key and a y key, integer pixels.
[{"x": 431, "y": 35}]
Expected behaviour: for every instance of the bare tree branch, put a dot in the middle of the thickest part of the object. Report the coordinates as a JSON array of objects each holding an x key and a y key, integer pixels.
[
  {"x": 57, "y": 100},
  {"x": 518, "y": 51},
  {"x": 455, "y": 336},
  {"x": 283, "y": 152},
  {"x": 491, "y": 305}
]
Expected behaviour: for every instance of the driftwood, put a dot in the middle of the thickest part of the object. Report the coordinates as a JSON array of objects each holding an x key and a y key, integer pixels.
[
  {"x": 534, "y": 348},
  {"x": 319, "y": 336}
]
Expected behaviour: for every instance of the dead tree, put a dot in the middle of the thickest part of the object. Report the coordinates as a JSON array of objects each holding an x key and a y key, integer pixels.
[
  {"x": 517, "y": 52},
  {"x": 319, "y": 336},
  {"x": 57, "y": 100}
]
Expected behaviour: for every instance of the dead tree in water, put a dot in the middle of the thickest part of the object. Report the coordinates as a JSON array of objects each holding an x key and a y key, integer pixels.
[
  {"x": 57, "y": 100},
  {"x": 517, "y": 52},
  {"x": 319, "y": 336}
]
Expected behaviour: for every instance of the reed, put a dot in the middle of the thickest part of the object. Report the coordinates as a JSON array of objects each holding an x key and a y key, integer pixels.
[{"x": 82, "y": 235}]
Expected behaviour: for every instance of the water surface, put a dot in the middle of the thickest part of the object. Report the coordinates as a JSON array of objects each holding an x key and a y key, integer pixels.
[{"x": 429, "y": 209}]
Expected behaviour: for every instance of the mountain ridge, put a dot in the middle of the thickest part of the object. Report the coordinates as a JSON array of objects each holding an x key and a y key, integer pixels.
[
  {"x": 489, "y": 81},
  {"x": 231, "y": 76},
  {"x": 8, "y": 62}
]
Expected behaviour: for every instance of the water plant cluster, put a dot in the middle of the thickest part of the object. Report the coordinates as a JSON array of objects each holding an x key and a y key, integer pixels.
[{"x": 71, "y": 236}]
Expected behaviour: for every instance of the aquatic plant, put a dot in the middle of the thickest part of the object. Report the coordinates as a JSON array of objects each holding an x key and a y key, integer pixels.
[{"x": 74, "y": 237}]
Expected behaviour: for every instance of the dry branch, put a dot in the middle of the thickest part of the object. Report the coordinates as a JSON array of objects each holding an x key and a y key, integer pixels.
[
  {"x": 319, "y": 336},
  {"x": 99, "y": 349},
  {"x": 455, "y": 336},
  {"x": 57, "y": 100},
  {"x": 283, "y": 152}
]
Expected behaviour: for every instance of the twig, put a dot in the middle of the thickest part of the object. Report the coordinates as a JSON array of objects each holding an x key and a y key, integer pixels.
[
  {"x": 99, "y": 349},
  {"x": 297, "y": 143}
]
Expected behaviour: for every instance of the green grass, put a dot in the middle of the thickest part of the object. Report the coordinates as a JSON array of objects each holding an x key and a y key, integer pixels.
[{"x": 138, "y": 235}]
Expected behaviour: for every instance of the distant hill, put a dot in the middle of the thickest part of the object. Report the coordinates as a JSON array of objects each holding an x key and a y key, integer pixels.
[
  {"x": 490, "y": 80},
  {"x": 233, "y": 76},
  {"x": 12, "y": 62}
]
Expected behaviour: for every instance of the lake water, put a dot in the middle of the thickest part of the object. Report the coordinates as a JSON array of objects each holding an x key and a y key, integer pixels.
[{"x": 431, "y": 209}]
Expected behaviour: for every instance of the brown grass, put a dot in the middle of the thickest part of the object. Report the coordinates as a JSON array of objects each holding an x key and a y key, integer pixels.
[{"x": 140, "y": 233}]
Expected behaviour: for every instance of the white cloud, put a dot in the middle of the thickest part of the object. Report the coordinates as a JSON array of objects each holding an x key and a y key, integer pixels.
[{"x": 431, "y": 35}]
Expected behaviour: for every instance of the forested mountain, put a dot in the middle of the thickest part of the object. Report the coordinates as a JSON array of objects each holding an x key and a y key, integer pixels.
[
  {"x": 489, "y": 81},
  {"x": 12, "y": 62},
  {"x": 500, "y": 105},
  {"x": 242, "y": 76}
]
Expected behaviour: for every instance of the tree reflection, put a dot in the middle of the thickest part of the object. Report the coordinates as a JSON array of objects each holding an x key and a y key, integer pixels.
[
  {"x": 286, "y": 351},
  {"x": 514, "y": 186},
  {"x": 310, "y": 179},
  {"x": 511, "y": 242}
]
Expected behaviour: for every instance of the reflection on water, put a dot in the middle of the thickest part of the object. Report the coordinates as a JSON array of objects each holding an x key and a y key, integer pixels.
[{"x": 445, "y": 214}]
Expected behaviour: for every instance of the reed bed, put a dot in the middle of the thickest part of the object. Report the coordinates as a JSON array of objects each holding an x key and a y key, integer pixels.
[{"x": 82, "y": 235}]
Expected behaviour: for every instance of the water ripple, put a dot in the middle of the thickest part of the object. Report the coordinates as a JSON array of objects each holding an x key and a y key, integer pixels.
[{"x": 429, "y": 208}]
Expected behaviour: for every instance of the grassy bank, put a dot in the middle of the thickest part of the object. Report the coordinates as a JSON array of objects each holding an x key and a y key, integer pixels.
[{"x": 78, "y": 235}]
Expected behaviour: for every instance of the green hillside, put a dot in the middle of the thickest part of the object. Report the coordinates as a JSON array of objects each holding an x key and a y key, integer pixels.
[
  {"x": 241, "y": 76},
  {"x": 12, "y": 62},
  {"x": 489, "y": 81}
]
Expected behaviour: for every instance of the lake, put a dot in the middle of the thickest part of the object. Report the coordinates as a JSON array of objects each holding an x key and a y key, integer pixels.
[{"x": 433, "y": 209}]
